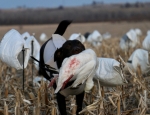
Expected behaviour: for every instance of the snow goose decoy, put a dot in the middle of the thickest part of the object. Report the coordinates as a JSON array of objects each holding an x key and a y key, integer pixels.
[
  {"x": 43, "y": 37},
  {"x": 79, "y": 37},
  {"x": 11, "y": 48},
  {"x": 146, "y": 42},
  {"x": 140, "y": 58},
  {"x": 25, "y": 35},
  {"x": 106, "y": 36},
  {"x": 109, "y": 72},
  {"x": 95, "y": 38},
  {"x": 34, "y": 47},
  {"x": 138, "y": 32},
  {"x": 129, "y": 40},
  {"x": 148, "y": 32}
]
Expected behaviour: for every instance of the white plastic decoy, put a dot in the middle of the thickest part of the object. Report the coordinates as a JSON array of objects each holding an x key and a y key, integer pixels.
[
  {"x": 78, "y": 36},
  {"x": 146, "y": 42},
  {"x": 95, "y": 36},
  {"x": 129, "y": 40},
  {"x": 11, "y": 48},
  {"x": 25, "y": 35},
  {"x": 43, "y": 37},
  {"x": 36, "y": 49},
  {"x": 140, "y": 58},
  {"x": 109, "y": 72}
]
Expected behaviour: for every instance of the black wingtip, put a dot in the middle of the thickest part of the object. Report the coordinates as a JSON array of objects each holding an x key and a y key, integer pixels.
[{"x": 62, "y": 27}]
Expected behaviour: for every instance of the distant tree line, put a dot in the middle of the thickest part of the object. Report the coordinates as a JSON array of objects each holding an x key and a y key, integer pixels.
[{"x": 91, "y": 13}]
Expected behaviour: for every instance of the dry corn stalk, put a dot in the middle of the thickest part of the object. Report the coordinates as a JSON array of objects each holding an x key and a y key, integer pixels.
[
  {"x": 6, "y": 86},
  {"x": 110, "y": 98},
  {"x": 53, "y": 111},
  {"x": 105, "y": 106},
  {"x": 5, "y": 108},
  {"x": 92, "y": 107},
  {"x": 118, "y": 106},
  {"x": 32, "y": 97},
  {"x": 74, "y": 107},
  {"x": 17, "y": 109}
]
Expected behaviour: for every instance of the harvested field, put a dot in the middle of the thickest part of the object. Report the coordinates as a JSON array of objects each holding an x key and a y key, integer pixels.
[
  {"x": 116, "y": 29},
  {"x": 132, "y": 98}
]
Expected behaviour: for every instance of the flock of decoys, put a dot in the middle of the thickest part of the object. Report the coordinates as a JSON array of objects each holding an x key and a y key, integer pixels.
[
  {"x": 11, "y": 54},
  {"x": 16, "y": 50}
]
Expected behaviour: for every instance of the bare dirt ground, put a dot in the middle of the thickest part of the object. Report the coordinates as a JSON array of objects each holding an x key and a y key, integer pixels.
[{"x": 116, "y": 29}]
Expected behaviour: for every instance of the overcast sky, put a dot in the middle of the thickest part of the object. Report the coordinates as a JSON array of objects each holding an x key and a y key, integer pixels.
[{"x": 55, "y": 3}]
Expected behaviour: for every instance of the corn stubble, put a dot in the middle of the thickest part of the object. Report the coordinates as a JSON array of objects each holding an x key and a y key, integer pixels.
[{"x": 129, "y": 99}]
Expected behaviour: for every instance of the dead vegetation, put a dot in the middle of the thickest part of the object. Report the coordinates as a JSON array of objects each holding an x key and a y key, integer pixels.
[{"x": 129, "y": 99}]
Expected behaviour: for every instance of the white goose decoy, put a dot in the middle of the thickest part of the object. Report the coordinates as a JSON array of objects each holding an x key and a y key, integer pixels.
[
  {"x": 25, "y": 35},
  {"x": 138, "y": 32},
  {"x": 43, "y": 37},
  {"x": 146, "y": 42},
  {"x": 106, "y": 36},
  {"x": 81, "y": 68},
  {"x": 129, "y": 40},
  {"x": 11, "y": 50},
  {"x": 140, "y": 58},
  {"x": 109, "y": 72},
  {"x": 95, "y": 38},
  {"x": 78, "y": 36},
  {"x": 36, "y": 45},
  {"x": 148, "y": 32},
  {"x": 36, "y": 49}
]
